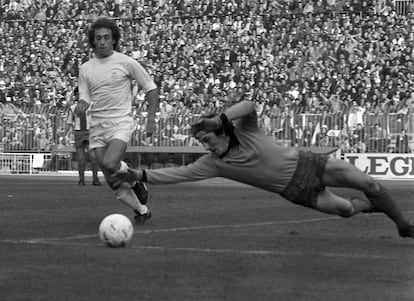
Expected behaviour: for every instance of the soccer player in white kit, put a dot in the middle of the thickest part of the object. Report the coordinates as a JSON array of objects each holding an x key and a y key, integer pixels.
[
  {"x": 241, "y": 151},
  {"x": 105, "y": 92}
]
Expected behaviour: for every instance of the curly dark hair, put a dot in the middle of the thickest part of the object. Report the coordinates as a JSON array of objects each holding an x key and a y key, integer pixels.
[
  {"x": 226, "y": 128},
  {"x": 105, "y": 23}
]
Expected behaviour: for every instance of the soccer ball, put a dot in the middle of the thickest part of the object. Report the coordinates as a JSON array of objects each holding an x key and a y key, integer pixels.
[{"x": 116, "y": 230}]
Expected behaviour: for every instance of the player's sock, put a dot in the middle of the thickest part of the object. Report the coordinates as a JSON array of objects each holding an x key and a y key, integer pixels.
[
  {"x": 127, "y": 196},
  {"x": 383, "y": 202}
]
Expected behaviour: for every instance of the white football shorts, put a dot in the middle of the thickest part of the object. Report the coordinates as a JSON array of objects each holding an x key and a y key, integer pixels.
[{"x": 103, "y": 130}]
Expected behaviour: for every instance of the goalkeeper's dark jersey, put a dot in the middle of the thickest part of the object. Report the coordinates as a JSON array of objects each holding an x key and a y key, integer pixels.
[{"x": 256, "y": 160}]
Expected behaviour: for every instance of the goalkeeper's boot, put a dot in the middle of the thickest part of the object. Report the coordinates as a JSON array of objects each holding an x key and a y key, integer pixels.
[
  {"x": 141, "y": 191},
  {"x": 406, "y": 231},
  {"x": 140, "y": 219}
]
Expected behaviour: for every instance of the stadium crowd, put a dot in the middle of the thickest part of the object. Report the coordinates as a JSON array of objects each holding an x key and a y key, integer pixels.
[{"x": 322, "y": 72}]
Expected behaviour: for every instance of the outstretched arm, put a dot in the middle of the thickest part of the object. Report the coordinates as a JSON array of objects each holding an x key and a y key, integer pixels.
[{"x": 202, "y": 168}]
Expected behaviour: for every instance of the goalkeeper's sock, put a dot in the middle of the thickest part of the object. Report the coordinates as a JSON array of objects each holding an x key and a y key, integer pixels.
[
  {"x": 125, "y": 194},
  {"x": 383, "y": 202}
]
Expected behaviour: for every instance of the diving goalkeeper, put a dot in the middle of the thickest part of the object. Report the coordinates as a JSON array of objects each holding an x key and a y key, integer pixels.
[{"x": 239, "y": 150}]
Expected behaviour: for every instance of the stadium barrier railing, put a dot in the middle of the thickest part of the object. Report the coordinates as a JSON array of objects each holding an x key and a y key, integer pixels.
[
  {"x": 404, "y": 7},
  {"x": 28, "y": 163},
  {"x": 172, "y": 143}
]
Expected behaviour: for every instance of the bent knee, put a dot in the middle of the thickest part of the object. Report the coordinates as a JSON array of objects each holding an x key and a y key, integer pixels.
[{"x": 371, "y": 187}]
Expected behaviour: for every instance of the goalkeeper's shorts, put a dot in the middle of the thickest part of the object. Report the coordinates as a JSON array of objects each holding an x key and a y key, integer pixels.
[{"x": 306, "y": 183}]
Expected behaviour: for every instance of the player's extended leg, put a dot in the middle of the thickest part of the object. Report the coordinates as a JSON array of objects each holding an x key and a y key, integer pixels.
[
  {"x": 140, "y": 192},
  {"x": 339, "y": 173},
  {"x": 109, "y": 160},
  {"x": 139, "y": 188}
]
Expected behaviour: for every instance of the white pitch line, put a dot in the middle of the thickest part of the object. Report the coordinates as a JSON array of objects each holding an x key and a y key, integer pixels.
[
  {"x": 179, "y": 229},
  {"x": 208, "y": 227},
  {"x": 261, "y": 252},
  {"x": 225, "y": 251}
]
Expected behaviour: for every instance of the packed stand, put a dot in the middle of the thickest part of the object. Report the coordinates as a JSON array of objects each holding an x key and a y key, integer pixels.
[{"x": 323, "y": 73}]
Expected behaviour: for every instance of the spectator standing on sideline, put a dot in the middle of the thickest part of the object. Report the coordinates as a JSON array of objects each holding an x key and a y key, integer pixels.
[
  {"x": 80, "y": 125},
  {"x": 105, "y": 90},
  {"x": 402, "y": 142},
  {"x": 241, "y": 151}
]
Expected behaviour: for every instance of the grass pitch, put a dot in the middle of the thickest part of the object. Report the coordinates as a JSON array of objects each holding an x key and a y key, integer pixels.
[{"x": 210, "y": 240}]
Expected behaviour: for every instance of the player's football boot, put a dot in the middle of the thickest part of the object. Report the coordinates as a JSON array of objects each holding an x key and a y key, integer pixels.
[
  {"x": 141, "y": 191},
  {"x": 407, "y": 231},
  {"x": 140, "y": 219}
]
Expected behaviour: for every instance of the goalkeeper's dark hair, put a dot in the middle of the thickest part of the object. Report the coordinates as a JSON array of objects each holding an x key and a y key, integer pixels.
[
  {"x": 108, "y": 23},
  {"x": 227, "y": 128}
]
